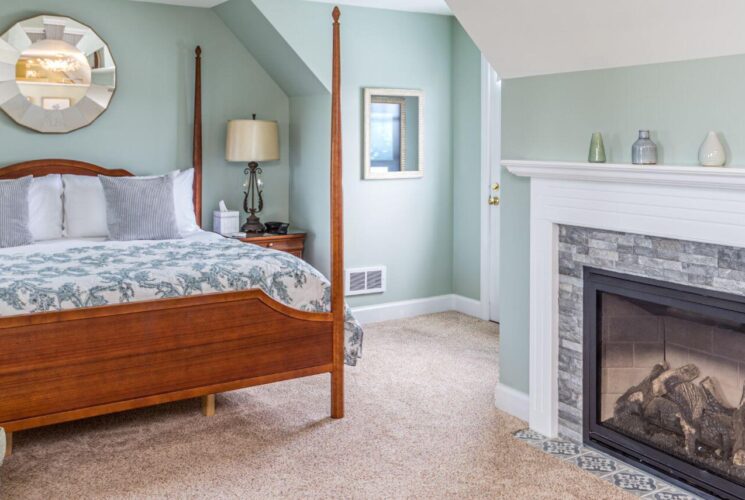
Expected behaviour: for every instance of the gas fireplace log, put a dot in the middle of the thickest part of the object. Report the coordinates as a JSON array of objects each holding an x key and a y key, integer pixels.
[
  {"x": 669, "y": 401},
  {"x": 690, "y": 399},
  {"x": 717, "y": 422},
  {"x": 716, "y": 433},
  {"x": 714, "y": 397},
  {"x": 738, "y": 457},
  {"x": 637, "y": 398},
  {"x": 712, "y": 430},
  {"x": 672, "y": 378}
]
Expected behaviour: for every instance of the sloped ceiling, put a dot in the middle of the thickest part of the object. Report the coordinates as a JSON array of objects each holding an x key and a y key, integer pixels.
[
  {"x": 270, "y": 47},
  {"x": 206, "y": 4},
  {"x": 535, "y": 37},
  {"x": 430, "y": 6},
  {"x": 427, "y": 6}
]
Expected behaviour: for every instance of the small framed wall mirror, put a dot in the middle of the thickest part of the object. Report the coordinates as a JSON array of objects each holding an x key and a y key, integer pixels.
[
  {"x": 394, "y": 134},
  {"x": 56, "y": 74}
]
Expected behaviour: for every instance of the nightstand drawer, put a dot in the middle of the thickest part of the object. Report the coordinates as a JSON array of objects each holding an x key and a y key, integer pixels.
[
  {"x": 293, "y": 243},
  {"x": 285, "y": 246}
]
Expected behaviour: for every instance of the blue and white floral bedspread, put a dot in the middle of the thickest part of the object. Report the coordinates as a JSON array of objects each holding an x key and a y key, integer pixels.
[{"x": 78, "y": 274}]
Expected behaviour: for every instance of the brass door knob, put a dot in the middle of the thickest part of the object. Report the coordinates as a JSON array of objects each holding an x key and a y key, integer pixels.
[
  {"x": 494, "y": 201},
  {"x": 495, "y": 186}
]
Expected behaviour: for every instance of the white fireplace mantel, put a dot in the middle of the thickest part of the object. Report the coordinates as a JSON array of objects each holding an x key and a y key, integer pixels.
[
  {"x": 701, "y": 204},
  {"x": 699, "y": 177}
]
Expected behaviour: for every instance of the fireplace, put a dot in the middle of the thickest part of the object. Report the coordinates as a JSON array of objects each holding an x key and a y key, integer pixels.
[{"x": 664, "y": 377}]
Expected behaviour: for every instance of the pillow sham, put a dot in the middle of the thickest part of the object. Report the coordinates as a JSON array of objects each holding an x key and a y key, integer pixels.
[
  {"x": 183, "y": 192},
  {"x": 85, "y": 204},
  {"x": 14, "y": 227},
  {"x": 45, "y": 207},
  {"x": 140, "y": 209},
  {"x": 85, "y": 207}
]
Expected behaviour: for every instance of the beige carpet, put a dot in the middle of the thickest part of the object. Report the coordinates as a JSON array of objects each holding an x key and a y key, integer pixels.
[{"x": 421, "y": 424}]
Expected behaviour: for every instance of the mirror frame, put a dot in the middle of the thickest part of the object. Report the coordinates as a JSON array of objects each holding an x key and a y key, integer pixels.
[
  {"x": 368, "y": 174},
  {"x": 19, "y": 117}
]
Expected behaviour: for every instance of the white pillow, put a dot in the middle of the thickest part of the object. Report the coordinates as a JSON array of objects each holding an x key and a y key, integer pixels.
[
  {"x": 183, "y": 196},
  {"x": 45, "y": 208},
  {"x": 85, "y": 205}
]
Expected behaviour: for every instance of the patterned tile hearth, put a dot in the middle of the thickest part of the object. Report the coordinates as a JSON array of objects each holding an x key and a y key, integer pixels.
[{"x": 607, "y": 468}]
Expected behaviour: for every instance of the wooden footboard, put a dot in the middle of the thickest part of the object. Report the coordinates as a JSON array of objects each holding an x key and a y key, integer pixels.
[{"x": 57, "y": 367}]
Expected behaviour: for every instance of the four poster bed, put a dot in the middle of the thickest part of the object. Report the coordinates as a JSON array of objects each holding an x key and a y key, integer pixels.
[{"x": 65, "y": 365}]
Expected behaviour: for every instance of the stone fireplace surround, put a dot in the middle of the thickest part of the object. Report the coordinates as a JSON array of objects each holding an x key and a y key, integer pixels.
[{"x": 677, "y": 216}]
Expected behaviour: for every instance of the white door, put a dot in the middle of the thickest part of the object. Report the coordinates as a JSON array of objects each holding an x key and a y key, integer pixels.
[{"x": 491, "y": 90}]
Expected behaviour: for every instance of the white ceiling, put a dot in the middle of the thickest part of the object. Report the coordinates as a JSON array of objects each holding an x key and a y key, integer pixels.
[
  {"x": 537, "y": 37},
  {"x": 431, "y": 6},
  {"x": 207, "y": 4}
]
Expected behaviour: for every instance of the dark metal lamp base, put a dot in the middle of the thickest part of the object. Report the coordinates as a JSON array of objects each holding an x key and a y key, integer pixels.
[{"x": 253, "y": 225}]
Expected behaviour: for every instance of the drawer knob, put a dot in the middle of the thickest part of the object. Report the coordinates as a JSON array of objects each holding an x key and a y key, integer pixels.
[{"x": 271, "y": 245}]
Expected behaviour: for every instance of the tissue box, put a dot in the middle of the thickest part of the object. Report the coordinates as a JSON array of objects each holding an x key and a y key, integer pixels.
[{"x": 226, "y": 223}]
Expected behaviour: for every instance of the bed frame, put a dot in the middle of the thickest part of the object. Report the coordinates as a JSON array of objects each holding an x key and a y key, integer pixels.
[{"x": 63, "y": 366}]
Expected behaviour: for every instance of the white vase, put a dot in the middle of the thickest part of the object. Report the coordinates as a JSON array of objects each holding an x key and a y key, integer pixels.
[{"x": 711, "y": 153}]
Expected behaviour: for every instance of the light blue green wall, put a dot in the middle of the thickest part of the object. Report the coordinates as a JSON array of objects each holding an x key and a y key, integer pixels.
[
  {"x": 552, "y": 117},
  {"x": 406, "y": 225},
  {"x": 466, "y": 131},
  {"x": 310, "y": 123},
  {"x": 403, "y": 224},
  {"x": 147, "y": 129}
]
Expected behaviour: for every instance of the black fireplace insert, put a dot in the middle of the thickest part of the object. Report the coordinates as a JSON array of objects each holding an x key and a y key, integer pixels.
[{"x": 664, "y": 378}]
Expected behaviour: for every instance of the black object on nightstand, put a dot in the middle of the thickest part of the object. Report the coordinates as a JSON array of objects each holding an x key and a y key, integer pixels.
[{"x": 277, "y": 227}]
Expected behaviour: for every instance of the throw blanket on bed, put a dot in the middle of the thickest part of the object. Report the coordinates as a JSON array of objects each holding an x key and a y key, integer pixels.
[{"x": 81, "y": 274}]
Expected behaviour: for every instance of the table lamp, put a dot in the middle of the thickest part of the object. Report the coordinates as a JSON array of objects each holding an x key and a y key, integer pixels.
[{"x": 252, "y": 141}]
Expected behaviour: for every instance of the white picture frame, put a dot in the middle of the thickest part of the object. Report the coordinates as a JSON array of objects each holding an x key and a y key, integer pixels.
[{"x": 394, "y": 124}]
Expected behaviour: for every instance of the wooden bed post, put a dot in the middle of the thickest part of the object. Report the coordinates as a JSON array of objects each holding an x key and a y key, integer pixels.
[
  {"x": 208, "y": 402},
  {"x": 197, "y": 157},
  {"x": 8, "y": 444},
  {"x": 208, "y": 405},
  {"x": 337, "y": 230}
]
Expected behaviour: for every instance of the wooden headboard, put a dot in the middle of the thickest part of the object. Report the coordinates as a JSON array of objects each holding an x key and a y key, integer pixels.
[{"x": 40, "y": 168}]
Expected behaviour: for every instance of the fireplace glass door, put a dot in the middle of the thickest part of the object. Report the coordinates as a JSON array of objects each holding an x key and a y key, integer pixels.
[{"x": 668, "y": 377}]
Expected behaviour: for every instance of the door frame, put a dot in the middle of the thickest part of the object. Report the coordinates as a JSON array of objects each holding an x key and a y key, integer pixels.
[{"x": 491, "y": 133}]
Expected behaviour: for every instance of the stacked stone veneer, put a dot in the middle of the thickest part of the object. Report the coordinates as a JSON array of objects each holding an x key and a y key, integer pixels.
[{"x": 632, "y": 335}]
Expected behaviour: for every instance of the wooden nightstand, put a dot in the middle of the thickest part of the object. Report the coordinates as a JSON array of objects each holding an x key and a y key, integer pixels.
[{"x": 293, "y": 243}]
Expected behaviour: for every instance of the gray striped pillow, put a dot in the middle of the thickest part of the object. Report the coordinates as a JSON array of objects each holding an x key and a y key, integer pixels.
[
  {"x": 14, "y": 216},
  {"x": 140, "y": 209}
]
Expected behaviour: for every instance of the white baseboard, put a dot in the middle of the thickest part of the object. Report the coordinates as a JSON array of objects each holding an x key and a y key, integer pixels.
[
  {"x": 417, "y": 307},
  {"x": 512, "y": 401},
  {"x": 468, "y": 306}
]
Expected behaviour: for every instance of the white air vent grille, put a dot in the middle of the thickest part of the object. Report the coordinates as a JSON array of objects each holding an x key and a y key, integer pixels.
[{"x": 365, "y": 280}]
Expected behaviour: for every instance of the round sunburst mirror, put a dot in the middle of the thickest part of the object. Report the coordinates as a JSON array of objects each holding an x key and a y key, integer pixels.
[{"x": 56, "y": 74}]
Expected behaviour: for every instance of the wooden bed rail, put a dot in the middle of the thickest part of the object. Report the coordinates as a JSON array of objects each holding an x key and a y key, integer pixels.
[{"x": 337, "y": 229}]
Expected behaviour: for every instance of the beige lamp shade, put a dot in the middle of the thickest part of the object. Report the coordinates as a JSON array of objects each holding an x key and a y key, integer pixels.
[{"x": 252, "y": 141}]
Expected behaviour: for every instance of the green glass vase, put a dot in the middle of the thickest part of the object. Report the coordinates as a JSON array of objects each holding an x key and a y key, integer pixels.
[{"x": 597, "y": 149}]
